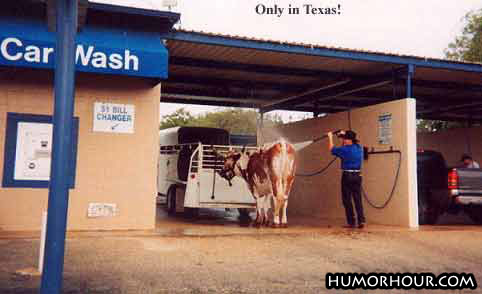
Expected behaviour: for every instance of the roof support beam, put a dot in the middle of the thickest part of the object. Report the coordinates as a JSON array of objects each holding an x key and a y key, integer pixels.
[
  {"x": 223, "y": 101},
  {"x": 320, "y": 74},
  {"x": 254, "y": 68},
  {"x": 273, "y": 105},
  {"x": 217, "y": 82},
  {"x": 460, "y": 118},
  {"x": 58, "y": 198},
  {"x": 238, "y": 42},
  {"x": 332, "y": 93},
  {"x": 254, "y": 103},
  {"x": 453, "y": 108},
  {"x": 410, "y": 74}
]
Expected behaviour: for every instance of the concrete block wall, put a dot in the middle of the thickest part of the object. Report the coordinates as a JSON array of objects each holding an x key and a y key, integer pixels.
[
  {"x": 111, "y": 168},
  {"x": 320, "y": 196}
]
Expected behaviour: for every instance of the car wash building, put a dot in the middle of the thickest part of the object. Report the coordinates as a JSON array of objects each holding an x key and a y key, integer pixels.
[
  {"x": 120, "y": 61},
  {"x": 378, "y": 95},
  {"x": 122, "y": 65}
]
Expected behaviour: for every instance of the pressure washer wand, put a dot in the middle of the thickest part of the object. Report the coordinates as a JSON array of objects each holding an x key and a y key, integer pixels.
[
  {"x": 326, "y": 136},
  {"x": 301, "y": 145}
]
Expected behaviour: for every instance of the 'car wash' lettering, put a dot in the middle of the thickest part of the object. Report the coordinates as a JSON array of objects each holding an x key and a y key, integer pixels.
[{"x": 13, "y": 49}]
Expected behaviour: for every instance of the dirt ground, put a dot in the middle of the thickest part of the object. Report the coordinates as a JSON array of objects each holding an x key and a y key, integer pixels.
[{"x": 215, "y": 255}]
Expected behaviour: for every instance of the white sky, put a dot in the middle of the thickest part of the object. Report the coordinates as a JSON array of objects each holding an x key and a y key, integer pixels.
[{"x": 412, "y": 27}]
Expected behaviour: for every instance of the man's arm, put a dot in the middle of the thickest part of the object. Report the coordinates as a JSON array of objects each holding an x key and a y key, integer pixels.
[{"x": 330, "y": 141}]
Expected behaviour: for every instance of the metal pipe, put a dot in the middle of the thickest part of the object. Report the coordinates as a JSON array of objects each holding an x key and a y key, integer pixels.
[
  {"x": 67, "y": 15},
  {"x": 410, "y": 73},
  {"x": 247, "y": 101},
  {"x": 272, "y": 105}
]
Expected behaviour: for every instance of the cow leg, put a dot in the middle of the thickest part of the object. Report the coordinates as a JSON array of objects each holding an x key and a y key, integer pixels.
[
  {"x": 259, "y": 212},
  {"x": 278, "y": 204},
  {"x": 266, "y": 206},
  {"x": 284, "y": 221}
]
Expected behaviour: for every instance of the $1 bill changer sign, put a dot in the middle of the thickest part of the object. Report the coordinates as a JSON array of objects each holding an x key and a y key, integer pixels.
[{"x": 114, "y": 118}]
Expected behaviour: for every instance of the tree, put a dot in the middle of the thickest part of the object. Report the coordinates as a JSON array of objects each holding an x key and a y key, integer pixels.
[
  {"x": 234, "y": 120},
  {"x": 468, "y": 46},
  {"x": 179, "y": 118},
  {"x": 428, "y": 126}
]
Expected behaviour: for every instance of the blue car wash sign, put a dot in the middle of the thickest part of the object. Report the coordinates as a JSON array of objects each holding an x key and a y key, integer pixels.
[{"x": 28, "y": 43}]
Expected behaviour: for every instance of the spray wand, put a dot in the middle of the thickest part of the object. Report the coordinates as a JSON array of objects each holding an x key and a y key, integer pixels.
[{"x": 301, "y": 145}]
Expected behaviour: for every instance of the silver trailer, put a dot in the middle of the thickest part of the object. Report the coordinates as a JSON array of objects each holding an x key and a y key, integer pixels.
[{"x": 187, "y": 171}]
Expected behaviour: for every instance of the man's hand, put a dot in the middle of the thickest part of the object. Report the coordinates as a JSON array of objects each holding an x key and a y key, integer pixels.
[{"x": 329, "y": 134}]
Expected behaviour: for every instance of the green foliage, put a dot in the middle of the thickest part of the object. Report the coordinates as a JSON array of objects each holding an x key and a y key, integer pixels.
[
  {"x": 179, "y": 118},
  {"x": 429, "y": 126},
  {"x": 235, "y": 120},
  {"x": 468, "y": 46}
]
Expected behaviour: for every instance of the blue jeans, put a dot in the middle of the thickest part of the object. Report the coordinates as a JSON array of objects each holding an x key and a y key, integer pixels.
[{"x": 351, "y": 188}]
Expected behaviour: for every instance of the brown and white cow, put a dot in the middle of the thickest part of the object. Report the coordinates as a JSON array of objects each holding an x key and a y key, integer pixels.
[{"x": 269, "y": 173}]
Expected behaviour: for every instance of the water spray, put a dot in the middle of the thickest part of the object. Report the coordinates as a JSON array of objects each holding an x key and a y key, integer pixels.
[{"x": 302, "y": 145}]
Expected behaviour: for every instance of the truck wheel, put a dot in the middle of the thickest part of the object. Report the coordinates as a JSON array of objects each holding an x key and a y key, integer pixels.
[
  {"x": 426, "y": 215},
  {"x": 191, "y": 213},
  {"x": 171, "y": 201},
  {"x": 475, "y": 213}
]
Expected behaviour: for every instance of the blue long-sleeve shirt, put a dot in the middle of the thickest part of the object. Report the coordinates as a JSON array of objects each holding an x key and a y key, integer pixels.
[{"x": 351, "y": 156}]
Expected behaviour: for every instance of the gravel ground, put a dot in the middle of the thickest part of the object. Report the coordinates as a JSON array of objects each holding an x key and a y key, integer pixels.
[{"x": 243, "y": 260}]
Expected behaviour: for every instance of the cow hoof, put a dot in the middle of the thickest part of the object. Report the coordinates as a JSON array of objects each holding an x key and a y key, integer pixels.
[
  {"x": 275, "y": 226},
  {"x": 284, "y": 226}
]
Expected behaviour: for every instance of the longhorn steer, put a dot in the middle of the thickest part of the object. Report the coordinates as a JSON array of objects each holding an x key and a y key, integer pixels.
[{"x": 269, "y": 173}]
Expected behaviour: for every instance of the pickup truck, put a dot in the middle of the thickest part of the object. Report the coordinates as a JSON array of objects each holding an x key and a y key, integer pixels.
[{"x": 446, "y": 189}]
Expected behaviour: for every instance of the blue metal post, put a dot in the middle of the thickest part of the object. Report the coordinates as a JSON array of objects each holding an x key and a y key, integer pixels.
[
  {"x": 410, "y": 73},
  {"x": 66, "y": 17}
]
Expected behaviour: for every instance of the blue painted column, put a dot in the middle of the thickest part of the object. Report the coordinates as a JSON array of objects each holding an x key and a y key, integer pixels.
[
  {"x": 67, "y": 15},
  {"x": 410, "y": 74}
]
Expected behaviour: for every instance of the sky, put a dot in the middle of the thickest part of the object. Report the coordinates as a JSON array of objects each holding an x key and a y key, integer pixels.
[{"x": 409, "y": 27}]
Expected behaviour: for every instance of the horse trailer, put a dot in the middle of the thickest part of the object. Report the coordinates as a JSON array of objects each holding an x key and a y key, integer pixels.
[{"x": 188, "y": 168}]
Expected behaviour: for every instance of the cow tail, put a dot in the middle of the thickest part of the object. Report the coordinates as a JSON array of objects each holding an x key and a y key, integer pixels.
[{"x": 284, "y": 156}]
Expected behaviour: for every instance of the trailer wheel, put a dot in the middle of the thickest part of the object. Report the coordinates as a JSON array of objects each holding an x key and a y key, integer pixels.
[
  {"x": 171, "y": 201},
  {"x": 475, "y": 213},
  {"x": 244, "y": 216}
]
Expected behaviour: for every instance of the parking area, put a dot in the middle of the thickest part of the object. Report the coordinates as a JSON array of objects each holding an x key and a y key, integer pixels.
[{"x": 215, "y": 255}]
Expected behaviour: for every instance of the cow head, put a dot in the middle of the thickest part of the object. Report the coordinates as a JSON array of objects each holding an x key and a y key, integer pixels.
[{"x": 234, "y": 163}]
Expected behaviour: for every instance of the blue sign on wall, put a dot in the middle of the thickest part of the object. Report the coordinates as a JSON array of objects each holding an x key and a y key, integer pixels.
[{"x": 28, "y": 43}]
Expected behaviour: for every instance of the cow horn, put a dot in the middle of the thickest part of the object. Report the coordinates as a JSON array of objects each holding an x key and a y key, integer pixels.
[{"x": 244, "y": 149}]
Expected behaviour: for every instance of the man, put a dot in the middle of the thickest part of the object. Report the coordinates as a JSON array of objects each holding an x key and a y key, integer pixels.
[
  {"x": 351, "y": 155},
  {"x": 468, "y": 162}
]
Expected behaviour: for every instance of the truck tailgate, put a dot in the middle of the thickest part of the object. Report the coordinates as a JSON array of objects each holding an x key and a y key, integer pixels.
[{"x": 470, "y": 181}]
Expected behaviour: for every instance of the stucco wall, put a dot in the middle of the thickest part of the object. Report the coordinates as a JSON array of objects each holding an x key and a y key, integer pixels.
[
  {"x": 320, "y": 196},
  {"x": 452, "y": 143},
  {"x": 111, "y": 168}
]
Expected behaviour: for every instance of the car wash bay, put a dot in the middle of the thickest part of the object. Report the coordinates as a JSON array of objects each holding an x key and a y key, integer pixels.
[
  {"x": 366, "y": 89},
  {"x": 380, "y": 96}
]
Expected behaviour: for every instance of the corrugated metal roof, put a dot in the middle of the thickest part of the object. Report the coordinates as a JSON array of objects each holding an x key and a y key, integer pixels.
[
  {"x": 217, "y": 69},
  {"x": 319, "y": 46}
]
